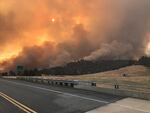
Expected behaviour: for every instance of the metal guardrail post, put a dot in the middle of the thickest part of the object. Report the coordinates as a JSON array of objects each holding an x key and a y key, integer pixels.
[
  {"x": 93, "y": 84},
  {"x": 72, "y": 84},
  {"x": 116, "y": 86},
  {"x": 66, "y": 84}
]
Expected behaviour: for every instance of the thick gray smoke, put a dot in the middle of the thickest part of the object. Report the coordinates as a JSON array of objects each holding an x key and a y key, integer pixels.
[
  {"x": 54, "y": 32},
  {"x": 129, "y": 40}
]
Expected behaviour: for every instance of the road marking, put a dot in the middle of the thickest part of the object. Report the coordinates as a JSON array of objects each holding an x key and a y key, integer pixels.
[
  {"x": 59, "y": 92},
  {"x": 81, "y": 97},
  {"x": 16, "y": 103}
]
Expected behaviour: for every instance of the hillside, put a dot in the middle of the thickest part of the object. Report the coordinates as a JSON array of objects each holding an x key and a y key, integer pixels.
[
  {"x": 82, "y": 67},
  {"x": 135, "y": 73}
]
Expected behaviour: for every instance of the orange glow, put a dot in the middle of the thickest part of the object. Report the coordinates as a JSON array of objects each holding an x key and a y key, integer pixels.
[
  {"x": 41, "y": 39},
  {"x": 78, "y": 20},
  {"x": 34, "y": 25},
  {"x": 9, "y": 54},
  {"x": 147, "y": 51},
  {"x": 31, "y": 27}
]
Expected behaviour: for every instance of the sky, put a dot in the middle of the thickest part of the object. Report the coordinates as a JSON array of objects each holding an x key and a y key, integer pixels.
[{"x": 47, "y": 33}]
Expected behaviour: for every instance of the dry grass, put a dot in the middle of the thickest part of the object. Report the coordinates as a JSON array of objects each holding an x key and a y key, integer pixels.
[
  {"x": 137, "y": 74},
  {"x": 138, "y": 78}
]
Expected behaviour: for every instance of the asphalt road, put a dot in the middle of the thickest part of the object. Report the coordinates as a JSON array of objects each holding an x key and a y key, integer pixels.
[
  {"x": 47, "y": 99},
  {"x": 7, "y": 107}
]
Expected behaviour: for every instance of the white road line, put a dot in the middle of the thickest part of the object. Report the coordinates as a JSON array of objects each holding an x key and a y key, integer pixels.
[
  {"x": 59, "y": 92},
  {"x": 81, "y": 97}
]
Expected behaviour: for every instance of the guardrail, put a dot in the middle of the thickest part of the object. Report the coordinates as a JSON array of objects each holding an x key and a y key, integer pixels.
[
  {"x": 128, "y": 89},
  {"x": 116, "y": 87},
  {"x": 124, "y": 85},
  {"x": 67, "y": 83}
]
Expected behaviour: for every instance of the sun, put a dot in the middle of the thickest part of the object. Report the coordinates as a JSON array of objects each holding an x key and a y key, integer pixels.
[{"x": 53, "y": 19}]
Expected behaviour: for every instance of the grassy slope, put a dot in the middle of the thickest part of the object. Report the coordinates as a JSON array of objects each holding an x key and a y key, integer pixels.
[
  {"x": 138, "y": 78},
  {"x": 134, "y": 73}
]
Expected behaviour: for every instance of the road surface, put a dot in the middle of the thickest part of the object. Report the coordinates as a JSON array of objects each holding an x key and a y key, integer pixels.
[{"x": 25, "y": 97}]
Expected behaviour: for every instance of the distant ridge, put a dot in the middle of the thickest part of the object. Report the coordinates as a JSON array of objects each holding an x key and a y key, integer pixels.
[{"x": 87, "y": 67}]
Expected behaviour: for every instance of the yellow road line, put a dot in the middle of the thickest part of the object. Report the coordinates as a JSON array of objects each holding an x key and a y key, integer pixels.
[
  {"x": 14, "y": 103},
  {"x": 18, "y": 104}
]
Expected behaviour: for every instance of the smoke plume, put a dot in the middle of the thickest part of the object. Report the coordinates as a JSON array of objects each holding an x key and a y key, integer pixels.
[{"x": 48, "y": 33}]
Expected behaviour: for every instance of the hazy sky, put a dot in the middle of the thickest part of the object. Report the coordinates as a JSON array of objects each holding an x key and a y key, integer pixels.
[{"x": 45, "y": 33}]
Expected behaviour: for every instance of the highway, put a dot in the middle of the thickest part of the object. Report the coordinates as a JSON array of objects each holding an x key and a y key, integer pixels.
[{"x": 25, "y": 97}]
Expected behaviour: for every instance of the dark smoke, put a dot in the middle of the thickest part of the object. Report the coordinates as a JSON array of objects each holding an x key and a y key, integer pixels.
[
  {"x": 103, "y": 30},
  {"x": 130, "y": 39}
]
